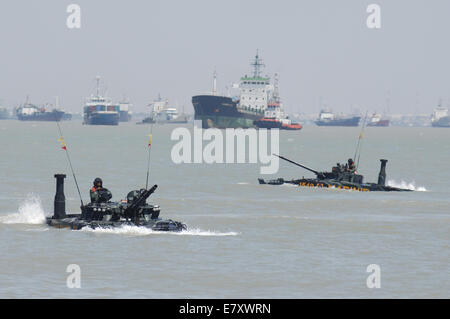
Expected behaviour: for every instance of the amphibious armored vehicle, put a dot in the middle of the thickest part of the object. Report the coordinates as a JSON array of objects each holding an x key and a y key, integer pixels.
[
  {"x": 106, "y": 214},
  {"x": 339, "y": 178}
]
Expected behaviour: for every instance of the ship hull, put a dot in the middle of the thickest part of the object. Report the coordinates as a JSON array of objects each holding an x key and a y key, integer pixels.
[
  {"x": 44, "y": 117},
  {"x": 353, "y": 121},
  {"x": 442, "y": 122},
  {"x": 269, "y": 123},
  {"x": 221, "y": 112},
  {"x": 102, "y": 119},
  {"x": 381, "y": 123},
  {"x": 124, "y": 116}
]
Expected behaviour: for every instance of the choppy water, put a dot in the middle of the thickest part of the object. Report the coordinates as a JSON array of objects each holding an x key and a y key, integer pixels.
[{"x": 244, "y": 239}]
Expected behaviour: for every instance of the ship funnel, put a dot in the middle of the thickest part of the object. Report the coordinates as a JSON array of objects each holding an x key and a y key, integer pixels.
[
  {"x": 60, "y": 200},
  {"x": 382, "y": 174}
]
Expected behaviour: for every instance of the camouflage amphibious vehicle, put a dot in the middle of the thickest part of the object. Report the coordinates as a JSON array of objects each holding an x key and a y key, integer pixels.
[
  {"x": 341, "y": 177},
  {"x": 103, "y": 213}
]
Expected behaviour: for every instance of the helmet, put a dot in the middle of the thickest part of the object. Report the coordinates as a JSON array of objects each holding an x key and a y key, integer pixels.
[
  {"x": 98, "y": 180},
  {"x": 350, "y": 160}
]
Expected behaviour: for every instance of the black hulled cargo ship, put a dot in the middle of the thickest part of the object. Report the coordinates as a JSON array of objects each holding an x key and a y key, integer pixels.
[
  {"x": 222, "y": 112},
  {"x": 227, "y": 112}
]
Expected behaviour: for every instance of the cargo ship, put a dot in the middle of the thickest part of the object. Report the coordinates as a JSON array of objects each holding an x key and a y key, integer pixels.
[
  {"x": 31, "y": 112},
  {"x": 124, "y": 110},
  {"x": 376, "y": 120},
  {"x": 274, "y": 116},
  {"x": 327, "y": 118},
  {"x": 163, "y": 114},
  {"x": 99, "y": 110},
  {"x": 440, "y": 117},
  {"x": 226, "y": 112}
]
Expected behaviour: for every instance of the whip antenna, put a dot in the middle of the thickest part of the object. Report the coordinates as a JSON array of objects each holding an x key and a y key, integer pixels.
[
  {"x": 358, "y": 145},
  {"x": 149, "y": 149},
  {"x": 64, "y": 147}
]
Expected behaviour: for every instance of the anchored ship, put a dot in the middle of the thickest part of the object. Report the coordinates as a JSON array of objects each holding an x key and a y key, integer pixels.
[
  {"x": 31, "y": 112},
  {"x": 327, "y": 118},
  {"x": 274, "y": 116},
  {"x": 4, "y": 113},
  {"x": 99, "y": 110},
  {"x": 376, "y": 120},
  {"x": 226, "y": 112},
  {"x": 163, "y": 114},
  {"x": 440, "y": 117},
  {"x": 124, "y": 110}
]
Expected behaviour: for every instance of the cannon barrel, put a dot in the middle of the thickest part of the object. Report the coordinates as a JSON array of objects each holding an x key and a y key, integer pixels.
[
  {"x": 59, "y": 210},
  {"x": 302, "y": 166},
  {"x": 139, "y": 201}
]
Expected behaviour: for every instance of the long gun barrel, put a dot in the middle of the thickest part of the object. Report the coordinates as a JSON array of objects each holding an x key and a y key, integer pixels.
[
  {"x": 302, "y": 166},
  {"x": 139, "y": 201}
]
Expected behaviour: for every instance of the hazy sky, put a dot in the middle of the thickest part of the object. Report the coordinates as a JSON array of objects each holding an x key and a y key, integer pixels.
[{"x": 321, "y": 50}]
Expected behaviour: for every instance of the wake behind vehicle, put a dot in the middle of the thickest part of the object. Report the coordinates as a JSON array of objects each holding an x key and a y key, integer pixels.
[{"x": 133, "y": 211}]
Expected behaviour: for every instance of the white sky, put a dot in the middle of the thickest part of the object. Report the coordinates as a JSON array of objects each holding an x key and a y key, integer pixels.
[{"x": 321, "y": 49}]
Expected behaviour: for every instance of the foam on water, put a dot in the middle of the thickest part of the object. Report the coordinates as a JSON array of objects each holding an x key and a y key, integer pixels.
[
  {"x": 144, "y": 231},
  {"x": 412, "y": 186},
  {"x": 30, "y": 212}
]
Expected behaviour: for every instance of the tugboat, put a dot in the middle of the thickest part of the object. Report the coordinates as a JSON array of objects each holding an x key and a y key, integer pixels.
[
  {"x": 99, "y": 110},
  {"x": 376, "y": 120},
  {"x": 274, "y": 116},
  {"x": 327, "y": 118},
  {"x": 340, "y": 177},
  {"x": 102, "y": 213}
]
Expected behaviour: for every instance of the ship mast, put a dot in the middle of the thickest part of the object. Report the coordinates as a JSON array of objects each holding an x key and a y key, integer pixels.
[
  {"x": 97, "y": 78},
  {"x": 257, "y": 65},
  {"x": 276, "y": 92},
  {"x": 214, "y": 92}
]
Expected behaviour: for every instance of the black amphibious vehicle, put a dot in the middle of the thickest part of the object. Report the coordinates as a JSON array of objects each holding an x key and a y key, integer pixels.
[
  {"x": 106, "y": 214},
  {"x": 340, "y": 178}
]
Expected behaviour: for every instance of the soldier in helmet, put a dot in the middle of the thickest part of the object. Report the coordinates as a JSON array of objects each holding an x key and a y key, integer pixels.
[
  {"x": 98, "y": 193},
  {"x": 351, "y": 166}
]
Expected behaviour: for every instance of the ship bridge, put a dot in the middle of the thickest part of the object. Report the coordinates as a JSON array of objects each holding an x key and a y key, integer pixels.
[{"x": 255, "y": 89}]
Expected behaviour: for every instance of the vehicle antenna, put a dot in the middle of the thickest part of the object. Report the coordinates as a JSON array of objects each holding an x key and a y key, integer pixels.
[
  {"x": 149, "y": 149},
  {"x": 358, "y": 145},
  {"x": 64, "y": 147}
]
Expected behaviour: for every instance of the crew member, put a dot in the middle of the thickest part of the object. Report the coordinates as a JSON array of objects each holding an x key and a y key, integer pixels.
[
  {"x": 351, "y": 166},
  {"x": 98, "y": 193}
]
